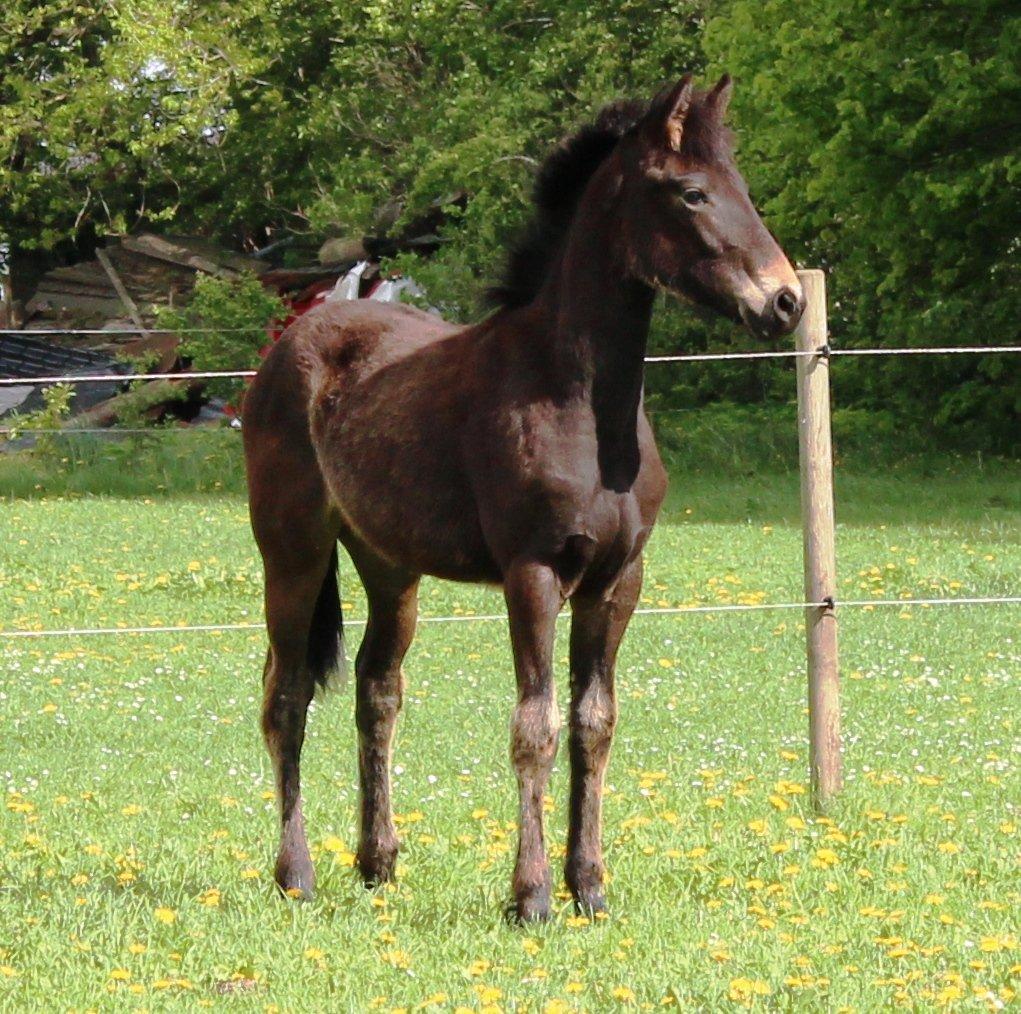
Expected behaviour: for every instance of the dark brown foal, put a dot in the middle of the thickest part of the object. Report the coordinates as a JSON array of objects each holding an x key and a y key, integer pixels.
[{"x": 515, "y": 452}]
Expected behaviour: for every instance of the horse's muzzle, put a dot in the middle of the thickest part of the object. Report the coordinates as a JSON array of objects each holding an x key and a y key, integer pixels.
[{"x": 779, "y": 314}]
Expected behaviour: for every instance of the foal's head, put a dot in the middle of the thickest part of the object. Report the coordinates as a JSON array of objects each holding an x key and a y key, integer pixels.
[{"x": 689, "y": 225}]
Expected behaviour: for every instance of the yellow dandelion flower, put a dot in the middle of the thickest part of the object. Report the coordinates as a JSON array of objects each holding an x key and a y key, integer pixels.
[
  {"x": 165, "y": 915},
  {"x": 744, "y": 990},
  {"x": 399, "y": 959},
  {"x": 488, "y": 994},
  {"x": 210, "y": 897},
  {"x": 623, "y": 994},
  {"x": 825, "y": 858}
]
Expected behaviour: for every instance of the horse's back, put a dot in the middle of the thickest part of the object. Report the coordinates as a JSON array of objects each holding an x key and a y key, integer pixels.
[{"x": 361, "y": 336}]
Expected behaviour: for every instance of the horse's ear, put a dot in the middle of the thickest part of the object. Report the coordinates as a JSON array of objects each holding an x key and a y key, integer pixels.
[
  {"x": 668, "y": 111},
  {"x": 719, "y": 98}
]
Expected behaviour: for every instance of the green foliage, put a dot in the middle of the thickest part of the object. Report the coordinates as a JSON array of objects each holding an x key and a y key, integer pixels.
[
  {"x": 54, "y": 413},
  {"x": 882, "y": 142},
  {"x": 113, "y": 113},
  {"x": 223, "y": 326},
  {"x": 728, "y": 443},
  {"x": 243, "y": 117}
]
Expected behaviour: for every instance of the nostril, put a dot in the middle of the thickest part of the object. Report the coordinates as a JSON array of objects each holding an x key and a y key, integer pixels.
[{"x": 786, "y": 304}]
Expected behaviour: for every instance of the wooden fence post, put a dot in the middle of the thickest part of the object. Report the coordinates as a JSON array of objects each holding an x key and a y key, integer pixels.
[{"x": 816, "y": 456}]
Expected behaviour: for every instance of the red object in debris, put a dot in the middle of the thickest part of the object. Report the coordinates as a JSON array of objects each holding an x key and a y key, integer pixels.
[{"x": 312, "y": 295}]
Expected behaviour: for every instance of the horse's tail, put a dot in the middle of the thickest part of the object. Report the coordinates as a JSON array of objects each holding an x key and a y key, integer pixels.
[{"x": 326, "y": 659}]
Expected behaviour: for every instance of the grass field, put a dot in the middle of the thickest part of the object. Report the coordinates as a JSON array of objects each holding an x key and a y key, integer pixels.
[{"x": 139, "y": 830}]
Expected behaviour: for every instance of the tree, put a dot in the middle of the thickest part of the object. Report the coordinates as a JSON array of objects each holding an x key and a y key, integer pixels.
[
  {"x": 883, "y": 143},
  {"x": 244, "y": 118}
]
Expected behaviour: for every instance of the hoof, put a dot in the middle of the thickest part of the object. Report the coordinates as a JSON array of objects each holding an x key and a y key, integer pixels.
[
  {"x": 590, "y": 903},
  {"x": 377, "y": 867},
  {"x": 531, "y": 907},
  {"x": 296, "y": 880}
]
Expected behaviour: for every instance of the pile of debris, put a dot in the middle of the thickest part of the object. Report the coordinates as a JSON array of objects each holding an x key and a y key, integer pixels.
[
  {"x": 25, "y": 357},
  {"x": 127, "y": 279},
  {"x": 114, "y": 297}
]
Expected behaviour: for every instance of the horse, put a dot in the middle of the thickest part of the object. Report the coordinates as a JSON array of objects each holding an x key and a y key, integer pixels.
[{"x": 514, "y": 452}]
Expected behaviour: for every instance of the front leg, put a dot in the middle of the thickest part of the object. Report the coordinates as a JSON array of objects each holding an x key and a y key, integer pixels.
[
  {"x": 534, "y": 598},
  {"x": 597, "y": 626}
]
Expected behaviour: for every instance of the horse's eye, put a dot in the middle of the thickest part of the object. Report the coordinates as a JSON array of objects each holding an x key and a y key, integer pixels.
[{"x": 692, "y": 196}]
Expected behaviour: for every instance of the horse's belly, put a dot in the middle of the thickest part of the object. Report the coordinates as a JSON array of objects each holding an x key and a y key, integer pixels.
[{"x": 410, "y": 507}]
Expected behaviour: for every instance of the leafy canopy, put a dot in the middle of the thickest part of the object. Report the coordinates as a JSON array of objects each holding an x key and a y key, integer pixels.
[{"x": 881, "y": 141}]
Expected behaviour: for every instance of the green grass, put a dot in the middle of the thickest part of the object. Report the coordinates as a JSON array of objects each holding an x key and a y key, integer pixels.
[{"x": 139, "y": 829}]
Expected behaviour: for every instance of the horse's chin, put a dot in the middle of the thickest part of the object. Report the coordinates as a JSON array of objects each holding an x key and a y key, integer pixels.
[{"x": 755, "y": 325}]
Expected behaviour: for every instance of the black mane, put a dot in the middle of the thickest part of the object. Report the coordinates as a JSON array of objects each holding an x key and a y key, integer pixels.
[{"x": 561, "y": 180}]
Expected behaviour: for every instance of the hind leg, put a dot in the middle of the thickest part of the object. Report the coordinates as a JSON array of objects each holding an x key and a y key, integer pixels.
[
  {"x": 393, "y": 607},
  {"x": 296, "y": 529},
  {"x": 288, "y": 685}
]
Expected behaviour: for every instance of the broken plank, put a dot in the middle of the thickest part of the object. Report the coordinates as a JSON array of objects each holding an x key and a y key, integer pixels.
[
  {"x": 129, "y": 303},
  {"x": 161, "y": 249}
]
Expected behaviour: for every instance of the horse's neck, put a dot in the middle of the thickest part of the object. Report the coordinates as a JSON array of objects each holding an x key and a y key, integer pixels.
[{"x": 600, "y": 324}]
